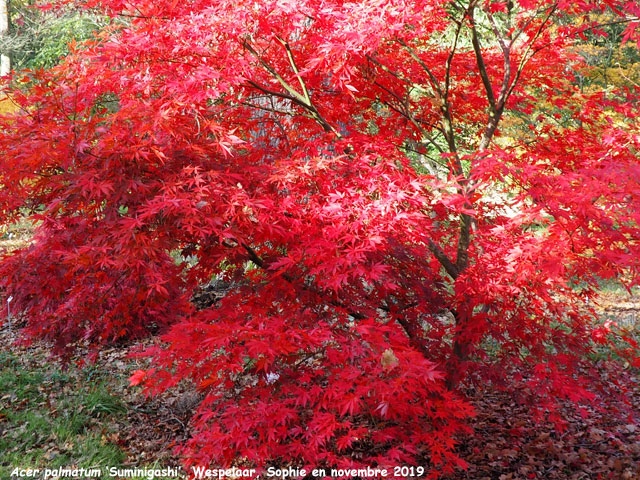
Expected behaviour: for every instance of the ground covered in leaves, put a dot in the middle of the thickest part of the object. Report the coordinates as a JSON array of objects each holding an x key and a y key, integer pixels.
[
  {"x": 86, "y": 415},
  {"x": 509, "y": 445}
]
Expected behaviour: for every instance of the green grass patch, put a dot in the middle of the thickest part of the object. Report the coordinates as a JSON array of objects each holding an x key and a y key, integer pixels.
[{"x": 51, "y": 418}]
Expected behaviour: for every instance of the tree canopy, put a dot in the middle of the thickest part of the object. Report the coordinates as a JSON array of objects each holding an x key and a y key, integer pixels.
[{"x": 401, "y": 198}]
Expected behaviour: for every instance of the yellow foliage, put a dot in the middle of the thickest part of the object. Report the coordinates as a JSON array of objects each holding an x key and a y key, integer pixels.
[{"x": 6, "y": 105}]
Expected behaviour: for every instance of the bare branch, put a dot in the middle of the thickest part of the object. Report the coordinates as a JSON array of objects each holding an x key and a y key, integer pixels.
[
  {"x": 295, "y": 69},
  {"x": 482, "y": 68},
  {"x": 302, "y": 100},
  {"x": 526, "y": 57},
  {"x": 448, "y": 265},
  {"x": 447, "y": 79}
]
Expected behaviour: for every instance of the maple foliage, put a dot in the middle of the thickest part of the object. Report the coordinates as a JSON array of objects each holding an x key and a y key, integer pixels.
[{"x": 341, "y": 166}]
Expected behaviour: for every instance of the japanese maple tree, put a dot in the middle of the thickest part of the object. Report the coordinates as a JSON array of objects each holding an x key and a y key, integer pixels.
[{"x": 404, "y": 198}]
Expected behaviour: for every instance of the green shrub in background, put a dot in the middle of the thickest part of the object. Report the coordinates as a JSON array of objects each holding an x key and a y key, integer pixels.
[{"x": 39, "y": 38}]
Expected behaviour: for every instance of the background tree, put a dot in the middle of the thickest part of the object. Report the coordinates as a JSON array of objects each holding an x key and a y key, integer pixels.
[
  {"x": 341, "y": 166},
  {"x": 5, "y": 60},
  {"x": 40, "y": 37},
  {"x": 610, "y": 62}
]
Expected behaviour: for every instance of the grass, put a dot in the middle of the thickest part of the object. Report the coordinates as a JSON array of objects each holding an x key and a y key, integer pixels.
[{"x": 50, "y": 418}]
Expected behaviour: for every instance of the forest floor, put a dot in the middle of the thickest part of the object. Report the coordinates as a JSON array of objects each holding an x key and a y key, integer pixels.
[{"x": 83, "y": 416}]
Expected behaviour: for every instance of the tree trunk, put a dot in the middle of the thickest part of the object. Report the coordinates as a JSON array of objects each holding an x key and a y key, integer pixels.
[{"x": 5, "y": 59}]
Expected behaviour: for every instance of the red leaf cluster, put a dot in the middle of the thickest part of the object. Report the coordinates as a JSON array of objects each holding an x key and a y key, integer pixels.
[{"x": 354, "y": 174}]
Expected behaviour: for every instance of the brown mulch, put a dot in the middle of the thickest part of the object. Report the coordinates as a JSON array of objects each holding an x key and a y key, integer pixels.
[{"x": 508, "y": 444}]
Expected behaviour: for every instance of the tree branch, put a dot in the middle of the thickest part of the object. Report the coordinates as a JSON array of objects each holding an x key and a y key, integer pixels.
[
  {"x": 448, "y": 265},
  {"x": 302, "y": 100},
  {"x": 482, "y": 68}
]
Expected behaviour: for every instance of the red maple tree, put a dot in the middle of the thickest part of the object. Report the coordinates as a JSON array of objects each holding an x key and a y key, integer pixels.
[{"x": 402, "y": 198}]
